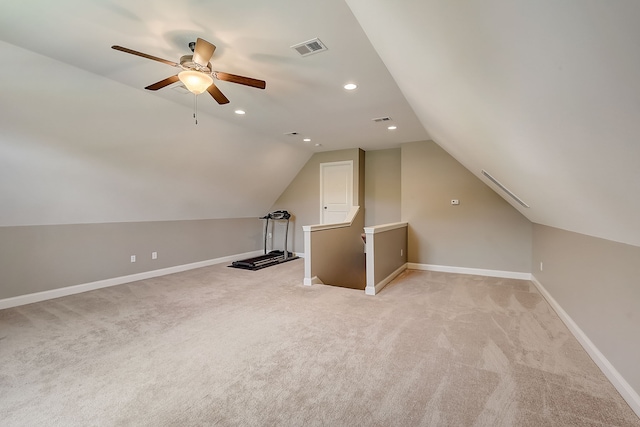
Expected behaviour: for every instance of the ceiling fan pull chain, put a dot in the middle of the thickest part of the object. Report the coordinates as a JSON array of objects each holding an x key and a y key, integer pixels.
[{"x": 195, "y": 107}]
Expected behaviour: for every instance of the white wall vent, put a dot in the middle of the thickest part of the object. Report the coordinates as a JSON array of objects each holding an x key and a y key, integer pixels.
[
  {"x": 310, "y": 47},
  {"x": 382, "y": 119},
  {"x": 505, "y": 189}
]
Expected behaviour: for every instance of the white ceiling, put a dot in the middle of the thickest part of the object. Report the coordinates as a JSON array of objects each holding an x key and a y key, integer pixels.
[
  {"x": 541, "y": 94},
  {"x": 81, "y": 141},
  {"x": 544, "y": 95},
  {"x": 253, "y": 39}
]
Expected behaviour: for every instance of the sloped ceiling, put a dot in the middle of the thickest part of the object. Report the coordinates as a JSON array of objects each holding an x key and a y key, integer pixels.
[
  {"x": 82, "y": 141},
  {"x": 84, "y": 149},
  {"x": 254, "y": 39},
  {"x": 543, "y": 95}
]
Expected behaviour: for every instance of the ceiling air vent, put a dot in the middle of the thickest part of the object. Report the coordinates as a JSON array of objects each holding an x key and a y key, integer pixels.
[
  {"x": 382, "y": 119},
  {"x": 505, "y": 189},
  {"x": 310, "y": 47}
]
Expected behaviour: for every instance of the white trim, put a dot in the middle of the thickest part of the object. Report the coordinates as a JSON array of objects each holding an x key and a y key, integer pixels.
[
  {"x": 351, "y": 216},
  {"x": 307, "y": 253},
  {"x": 85, "y": 287},
  {"x": 372, "y": 290},
  {"x": 626, "y": 391},
  {"x": 466, "y": 270},
  {"x": 312, "y": 281},
  {"x": 385, "y": 227},
  {"x": 369, "y": 256}
]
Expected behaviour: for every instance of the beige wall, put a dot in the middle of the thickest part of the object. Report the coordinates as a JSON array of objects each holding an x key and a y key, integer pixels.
[
  {"x": 382, "y": 186},
  {"x": 302, "y": 196},
  {"x": 597, "y": 282},
  {"x": 484, "y": 231},
  {"x": 388, "y": 257},
  {"x": 47, "y": 257},
  {"x": 338, "y": 256}
]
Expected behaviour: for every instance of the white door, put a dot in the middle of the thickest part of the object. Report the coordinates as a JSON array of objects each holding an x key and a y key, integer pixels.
[{"x": 336, "y": 191}]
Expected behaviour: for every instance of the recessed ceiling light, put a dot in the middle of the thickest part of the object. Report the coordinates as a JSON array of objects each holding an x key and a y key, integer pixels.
[
  {"x": 307, "y": 140},
  {"x": 239, "y": 112},
  {"x": 350, "y": 86},
  {"x": 392, "y": 127}
]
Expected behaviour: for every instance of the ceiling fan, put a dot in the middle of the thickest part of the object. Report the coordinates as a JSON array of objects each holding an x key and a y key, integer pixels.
[{"x": 197, "y": 74}]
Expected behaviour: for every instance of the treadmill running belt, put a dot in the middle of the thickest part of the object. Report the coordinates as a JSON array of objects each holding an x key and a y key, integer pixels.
[{"x": 262, "y": 261}]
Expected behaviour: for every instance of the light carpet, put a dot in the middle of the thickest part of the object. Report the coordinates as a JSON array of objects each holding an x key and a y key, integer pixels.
[{"x": 229, "y": 347}]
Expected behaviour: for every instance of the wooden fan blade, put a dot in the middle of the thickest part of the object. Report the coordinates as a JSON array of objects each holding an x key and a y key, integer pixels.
[
  {"x": 144, "y": 55},
  {"x": 203, "y": 52},
  {"x": 217, "y": 95},
  {"x": 247, "y": 81},
  {"x": 163, "y": 83}
]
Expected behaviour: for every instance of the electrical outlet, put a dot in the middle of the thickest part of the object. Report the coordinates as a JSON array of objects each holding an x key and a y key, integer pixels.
[
  {"x": 455, "y": 202},
  {"x": 154, "y": 255},
  {"x": 540, "y": 265},
  {"x": 270, "y": 235},
  {"x": 401, "y": 252},
  {"x": 133, "y": 258}
]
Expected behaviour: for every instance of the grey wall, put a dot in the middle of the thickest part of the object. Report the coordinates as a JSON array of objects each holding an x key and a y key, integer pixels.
[
  {"x": 302, "y": 196},
  {"x": 484, "y": 231},
  {"x": 46, "y": 257},
  {"x": 597, "y": 282},
  {"x": 382, "y": 186}
]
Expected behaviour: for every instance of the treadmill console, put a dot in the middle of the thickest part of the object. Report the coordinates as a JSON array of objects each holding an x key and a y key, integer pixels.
[{"x": 277, "y": 215}]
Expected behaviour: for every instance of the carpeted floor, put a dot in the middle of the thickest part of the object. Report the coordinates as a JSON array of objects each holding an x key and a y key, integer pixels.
[{"x": 229, "y": 347}]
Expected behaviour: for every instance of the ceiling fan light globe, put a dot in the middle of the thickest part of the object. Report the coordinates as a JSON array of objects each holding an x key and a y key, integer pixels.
[{"x": 195, "y": 81}]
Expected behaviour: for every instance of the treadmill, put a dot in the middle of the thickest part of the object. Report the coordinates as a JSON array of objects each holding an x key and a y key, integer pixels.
[{"x": 275, "y": 256}]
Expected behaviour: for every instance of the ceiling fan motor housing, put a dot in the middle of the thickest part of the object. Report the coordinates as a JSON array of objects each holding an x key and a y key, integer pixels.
[{"x": 187, "y": 63}]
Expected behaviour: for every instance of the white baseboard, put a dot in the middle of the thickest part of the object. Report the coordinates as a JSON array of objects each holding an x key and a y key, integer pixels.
[
  {"x": 312, "y": 281},
  {"x": 85, "y": 287},
  {"x": 466, "y": 270},
  {"x": 372, "y": 290},
  {"x": 623, "y": 387}
]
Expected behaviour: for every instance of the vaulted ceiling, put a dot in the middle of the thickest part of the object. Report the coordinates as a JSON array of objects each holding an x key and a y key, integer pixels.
[
  {"x": 540, "y": 94},
  {"x": 543, "y": 95}
]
